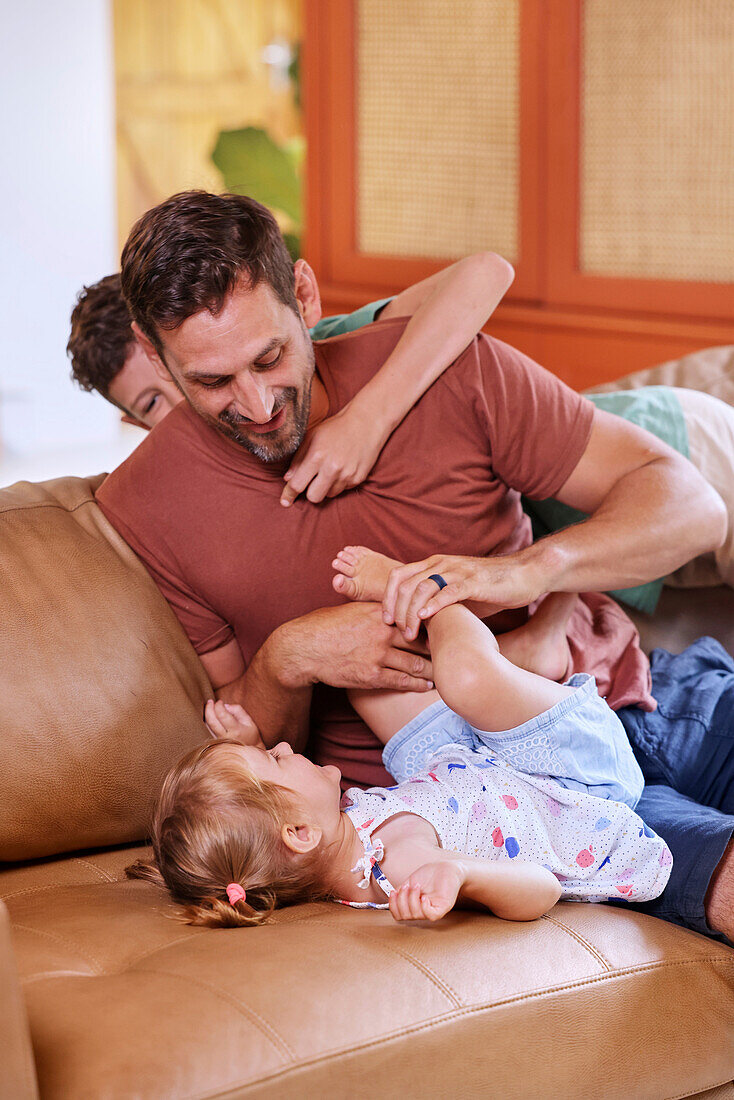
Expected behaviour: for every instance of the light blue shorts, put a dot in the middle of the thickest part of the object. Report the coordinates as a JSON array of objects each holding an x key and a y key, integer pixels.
[{"x": 580, "y": 742}]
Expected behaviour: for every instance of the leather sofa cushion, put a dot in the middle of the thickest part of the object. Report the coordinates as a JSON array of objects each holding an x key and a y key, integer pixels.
[
  {"x": 101, "y": 690},
  {"x": 588, "y": 1001}
]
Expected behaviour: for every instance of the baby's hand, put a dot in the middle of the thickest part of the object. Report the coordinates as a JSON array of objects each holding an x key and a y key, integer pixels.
[
  {"x": 429, "y": 893},
  {"x": 232, "y": 721}
]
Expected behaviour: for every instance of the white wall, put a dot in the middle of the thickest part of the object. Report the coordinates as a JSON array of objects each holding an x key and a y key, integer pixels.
[{"x": 57, "y": 213}]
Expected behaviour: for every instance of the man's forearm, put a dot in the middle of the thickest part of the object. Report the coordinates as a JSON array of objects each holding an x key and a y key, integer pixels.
[
  {"x": 653, "y": 520},
  {"x": 347, "y": 647},
  {"x": 273, "y": 694}
]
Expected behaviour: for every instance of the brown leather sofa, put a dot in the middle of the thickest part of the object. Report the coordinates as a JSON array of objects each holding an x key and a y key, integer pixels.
[{"x": 104, "y": 994}]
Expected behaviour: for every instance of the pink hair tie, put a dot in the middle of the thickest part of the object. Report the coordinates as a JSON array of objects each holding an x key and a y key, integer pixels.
[{"x": 235, "y": 893}]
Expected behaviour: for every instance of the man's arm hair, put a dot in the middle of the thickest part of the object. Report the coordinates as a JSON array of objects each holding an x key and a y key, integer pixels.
[
  {"x": 279, "y": 707},
  {"x": 650, "y": 511}
]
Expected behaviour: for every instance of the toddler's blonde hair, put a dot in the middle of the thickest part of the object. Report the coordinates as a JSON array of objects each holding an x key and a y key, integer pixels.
[{"x": 216, "y": 823}]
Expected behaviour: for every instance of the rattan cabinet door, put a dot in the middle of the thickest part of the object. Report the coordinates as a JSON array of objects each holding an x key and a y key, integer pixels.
[
  {"x": 641, "y": 186},
  {"x": 422, "y": 118}
]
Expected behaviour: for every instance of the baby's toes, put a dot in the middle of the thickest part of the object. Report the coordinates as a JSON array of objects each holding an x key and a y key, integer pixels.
[
  {"x": 345, "y": 586},
  {"x": 349, "y": 556},
  {"x": 359, "y": 554}
]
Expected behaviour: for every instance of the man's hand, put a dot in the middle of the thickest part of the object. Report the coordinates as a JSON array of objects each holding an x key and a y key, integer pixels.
[
  {"x": 337, "y": 455},
  {"x": 492, "y": 583},
  {"x": 348, "y": 647}
]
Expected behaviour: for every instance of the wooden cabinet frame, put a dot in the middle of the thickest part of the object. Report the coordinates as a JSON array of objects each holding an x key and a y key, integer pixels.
[
  {"x": 567, "y": 285},
  {"x": 588, "y": 328},
  {"x": 330, "y": 68}
]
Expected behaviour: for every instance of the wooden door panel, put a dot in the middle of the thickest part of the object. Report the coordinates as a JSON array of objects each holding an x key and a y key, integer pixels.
[
  {"x": 641, "y": 156},
  {"x": 383, "y": 205}
]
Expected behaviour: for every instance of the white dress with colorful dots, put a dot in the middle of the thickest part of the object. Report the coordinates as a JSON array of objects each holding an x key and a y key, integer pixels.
[{"x": 481, "y": 805}]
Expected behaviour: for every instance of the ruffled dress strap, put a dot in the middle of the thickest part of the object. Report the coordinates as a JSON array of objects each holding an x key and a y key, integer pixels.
[{"x": 369, "y": 866}]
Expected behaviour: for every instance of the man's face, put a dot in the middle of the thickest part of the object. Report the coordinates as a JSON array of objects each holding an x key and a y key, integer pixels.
[
  {"x": 247, "y": 371},
  {"x": 139, "y": 389}
]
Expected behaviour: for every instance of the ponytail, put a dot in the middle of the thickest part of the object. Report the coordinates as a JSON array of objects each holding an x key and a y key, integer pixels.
[{"x": 216, "y": 824}]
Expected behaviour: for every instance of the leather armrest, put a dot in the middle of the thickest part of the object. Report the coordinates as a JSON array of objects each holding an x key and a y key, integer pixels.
[{"x": 17, "y": 1066}]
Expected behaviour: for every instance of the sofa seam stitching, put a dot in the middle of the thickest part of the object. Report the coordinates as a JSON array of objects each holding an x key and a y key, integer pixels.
[
  {"x": 97, "y": 870},
  {"x": 56, "y": 938},
  {"x": 45, "y": 504},
  {"x": 50, "y": 975},
  {"x": 580, "y": 939},
  {"x": 156, "y": 950},
  {"x": 260, "y": 1022},
  {"x": 717, "y": 1084},
  {"x": 427, "y": 1024},
  {"x": 60, "y": 885}
]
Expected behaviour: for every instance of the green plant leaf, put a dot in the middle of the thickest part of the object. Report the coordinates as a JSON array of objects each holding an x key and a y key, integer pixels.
[
  {"x": 253, "y": 164},
  {"x": 293, "y": 244}
]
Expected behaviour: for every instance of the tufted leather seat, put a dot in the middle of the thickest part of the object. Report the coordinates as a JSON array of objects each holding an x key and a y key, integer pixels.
[{"x": 105, "y": 994}]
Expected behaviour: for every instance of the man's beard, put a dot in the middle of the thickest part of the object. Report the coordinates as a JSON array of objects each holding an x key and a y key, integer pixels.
[{"x": 283, "y": 442}]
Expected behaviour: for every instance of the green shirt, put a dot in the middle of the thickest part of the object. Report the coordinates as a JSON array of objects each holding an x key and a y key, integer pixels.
[
  {"x": 655, "y": 408},
  {"x": 348, "y": 322}
]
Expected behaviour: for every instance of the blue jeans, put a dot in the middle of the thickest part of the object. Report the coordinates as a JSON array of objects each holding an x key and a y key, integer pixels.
[{"x": 686, "y": 752}]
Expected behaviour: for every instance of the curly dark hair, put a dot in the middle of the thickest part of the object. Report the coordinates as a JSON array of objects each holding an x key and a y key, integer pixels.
[
  {"x": 101, "y": 336},
  {"x": 187, "y": 254}
]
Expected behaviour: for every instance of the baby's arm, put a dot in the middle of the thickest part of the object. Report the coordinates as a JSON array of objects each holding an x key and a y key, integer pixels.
[
  {"x": 446, "y": 312},
  {"x": 517, "y": 891}
]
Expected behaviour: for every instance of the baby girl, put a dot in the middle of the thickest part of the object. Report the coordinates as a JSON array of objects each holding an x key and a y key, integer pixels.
[{"x": 512, "y": 791}]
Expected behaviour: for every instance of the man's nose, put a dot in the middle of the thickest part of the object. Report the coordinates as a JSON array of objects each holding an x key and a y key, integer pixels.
[{"x": 254, "y": 397}]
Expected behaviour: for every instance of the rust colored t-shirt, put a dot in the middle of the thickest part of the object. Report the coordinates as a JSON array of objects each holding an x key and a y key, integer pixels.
[{"x": 204, "y": 515}]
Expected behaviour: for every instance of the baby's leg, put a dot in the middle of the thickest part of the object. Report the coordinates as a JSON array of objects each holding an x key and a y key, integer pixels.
[
  {"x": 470, "y": 673},
  {"x": 540, "y": 646},
  {"x": 477, "y": 682},
  {"x": 386, "y": 712},
  {"x": 362, "y": 575}
]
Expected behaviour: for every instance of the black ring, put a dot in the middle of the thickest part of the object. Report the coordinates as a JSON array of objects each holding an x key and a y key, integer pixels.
[{"x": 439, "y": 580}]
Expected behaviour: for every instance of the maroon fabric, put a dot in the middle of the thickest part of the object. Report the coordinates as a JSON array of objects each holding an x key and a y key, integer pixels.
[{"x": 204, "y": 515}]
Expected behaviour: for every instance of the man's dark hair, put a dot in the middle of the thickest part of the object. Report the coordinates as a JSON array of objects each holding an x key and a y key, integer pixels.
[
  {"x": 101, "y": 337},
  {"x": 188, "y": 253}
]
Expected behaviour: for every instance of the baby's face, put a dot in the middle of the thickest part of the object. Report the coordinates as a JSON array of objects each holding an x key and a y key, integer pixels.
[{"x": 317, "y": 789}]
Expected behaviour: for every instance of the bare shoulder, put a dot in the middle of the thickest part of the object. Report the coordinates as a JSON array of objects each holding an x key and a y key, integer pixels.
[{"x": 410, "y": 841}]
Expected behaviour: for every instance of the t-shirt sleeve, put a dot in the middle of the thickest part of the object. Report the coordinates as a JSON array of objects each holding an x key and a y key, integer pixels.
[
  {"x": 342, "y": 323},
  {"x": 538, "y": 427},
  {"x": 204, "y": 627}
]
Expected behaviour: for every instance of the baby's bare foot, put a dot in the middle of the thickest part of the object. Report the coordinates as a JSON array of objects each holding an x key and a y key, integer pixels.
[{"x": 361, "y": 574}]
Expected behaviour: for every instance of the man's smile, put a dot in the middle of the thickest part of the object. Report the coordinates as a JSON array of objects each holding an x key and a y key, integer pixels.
[{"x": 271, "y": 425}]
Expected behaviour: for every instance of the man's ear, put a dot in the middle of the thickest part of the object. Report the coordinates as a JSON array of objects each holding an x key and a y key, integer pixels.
[
  {"x": 307, "y": 293},
  {"x": 134, "y": 421},
  {"x": 301, "y": 838},
  {"x": 150, "y": 350}
]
